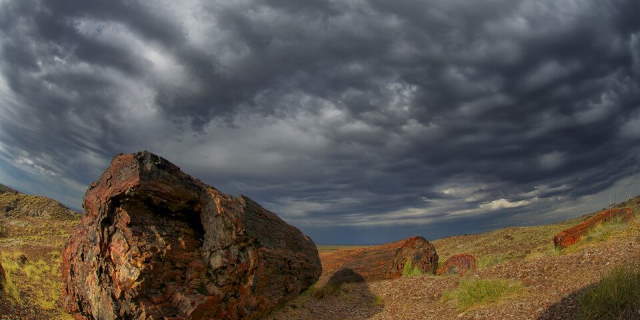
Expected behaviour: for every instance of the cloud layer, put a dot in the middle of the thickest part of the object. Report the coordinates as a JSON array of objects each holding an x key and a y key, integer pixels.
[{"x": 335, "y": 114}]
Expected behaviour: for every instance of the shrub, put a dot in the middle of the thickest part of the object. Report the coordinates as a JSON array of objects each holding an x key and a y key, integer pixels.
[
  {"x": 617, "y": 296},
  {"x": 474, "y": 292}
]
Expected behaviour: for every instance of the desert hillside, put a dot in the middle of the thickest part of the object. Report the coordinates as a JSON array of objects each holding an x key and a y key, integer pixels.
[
  {"x": 530, "y": 277},
  {"x": 33, "y": 230},
  {"x": 520, "y": 275}
]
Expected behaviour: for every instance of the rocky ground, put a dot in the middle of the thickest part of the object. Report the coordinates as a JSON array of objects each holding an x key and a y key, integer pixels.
[{"x": 550, "y": 279}]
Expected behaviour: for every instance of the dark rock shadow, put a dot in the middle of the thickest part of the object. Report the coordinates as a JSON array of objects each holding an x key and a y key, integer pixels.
[
  {"x": 345, "y": 295},
  {"x": 567, "y": 308}
]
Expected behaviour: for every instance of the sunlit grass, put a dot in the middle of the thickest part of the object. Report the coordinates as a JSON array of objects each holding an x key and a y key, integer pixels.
[
  {"x": 475, "y": 292},
  {"x": 39, "y": 277},
  {"x": 10, "y": 289}
]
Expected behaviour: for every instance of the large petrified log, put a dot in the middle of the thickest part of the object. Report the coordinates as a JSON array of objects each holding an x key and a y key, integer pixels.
[
  {"x": 458, "y": 264},
  {"x": 572, "y": 235},
  {"x": 158, "y": 244},
  {"x": 385, "y": 261}
]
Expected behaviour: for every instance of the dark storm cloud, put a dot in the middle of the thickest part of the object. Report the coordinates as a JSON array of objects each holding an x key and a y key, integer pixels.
[{"x": 354, "y": 113}]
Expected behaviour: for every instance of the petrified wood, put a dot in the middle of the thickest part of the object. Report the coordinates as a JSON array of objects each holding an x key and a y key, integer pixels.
[
  {"x": 458, "y": 264},
  {"x": 572, "y": 235},
  {"x": 156, "y": 243},
  {"x": 385, "y": 261}
]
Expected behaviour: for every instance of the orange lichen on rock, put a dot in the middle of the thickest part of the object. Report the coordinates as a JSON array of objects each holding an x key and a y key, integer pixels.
[
  {"x": 458, "y": 264},
  {"x": 572, "y": 235},
  {"x": 384, "y": 261}
]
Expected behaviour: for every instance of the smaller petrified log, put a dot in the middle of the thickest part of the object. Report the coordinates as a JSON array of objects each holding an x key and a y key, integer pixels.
[
  {"x": 572, "y": 235},
  {"x": 458, "y": 264},
  {"x": 385, "y": 261}
]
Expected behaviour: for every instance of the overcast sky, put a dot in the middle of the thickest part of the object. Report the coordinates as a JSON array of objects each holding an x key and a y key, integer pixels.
[{"x": 357, "y": 121}]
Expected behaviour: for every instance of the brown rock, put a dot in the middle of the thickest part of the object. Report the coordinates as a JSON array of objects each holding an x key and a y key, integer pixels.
[
  {"x": 2, "y": 280},
  {"x": 385, "y": 261},
  {"x": 458, "y": 264},
  {"x": 572, "y": 235},
  {"x": 158, "y": 244}
]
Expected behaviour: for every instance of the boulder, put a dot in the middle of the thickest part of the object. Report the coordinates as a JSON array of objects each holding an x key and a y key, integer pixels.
[
  {"x": 384, "y": 261},
  {"x": 458, "y": 264},
  {"x": 572, "y": 235},
  {"x": 156, "y": 243}
]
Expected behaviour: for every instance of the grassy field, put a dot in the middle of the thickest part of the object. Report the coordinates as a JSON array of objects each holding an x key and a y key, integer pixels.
[{"x": 31, "y": 249}]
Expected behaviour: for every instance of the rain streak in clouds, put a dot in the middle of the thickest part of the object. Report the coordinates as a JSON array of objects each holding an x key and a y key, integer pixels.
[{"x": 358, "y": 121}]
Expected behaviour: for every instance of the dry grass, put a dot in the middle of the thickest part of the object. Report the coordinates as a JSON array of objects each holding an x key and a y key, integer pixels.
[
  {"x": 500, "y": 246},
  {"x": 9, "y": 286},
  {"x": 39, "y": 279},
  {"x": 617, "y": 296},
  {"x": 477, "y": 292},
  {"x": 35, "y": 282}
]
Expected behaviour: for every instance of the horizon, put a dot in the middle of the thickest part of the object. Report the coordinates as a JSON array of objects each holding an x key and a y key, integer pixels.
[
  {"x": 445, "y": 235},
  {"x": 360, "y": 121}
]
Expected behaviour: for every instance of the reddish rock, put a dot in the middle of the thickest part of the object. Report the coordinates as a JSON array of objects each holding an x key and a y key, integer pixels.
[
  {"x": 2, "y": 279},
  {"x": 458, "y": 264},
  {"x": 156, "y": 243},
  {"x": 572, "y": 235},
  {"x": 383, "y": 262}
]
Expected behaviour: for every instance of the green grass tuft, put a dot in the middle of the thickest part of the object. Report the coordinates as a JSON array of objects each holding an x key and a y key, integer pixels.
[
  {"x": 409, "y": 270},
  {"x": 471, "y": 293},
  {"x": 617, "y": 296},
  {"x": 378, "y": 301}
]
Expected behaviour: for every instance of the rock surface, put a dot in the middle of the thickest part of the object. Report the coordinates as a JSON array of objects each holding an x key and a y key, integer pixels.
[
  {"x": 385, "y": 261},
  {"x": 16, "y": 204},
  {"x": 458, "y": 264},
  {"x": 158, "y": 244},
  {"x": 572, "y": 235},
  {"x": 2, "y": 280}
]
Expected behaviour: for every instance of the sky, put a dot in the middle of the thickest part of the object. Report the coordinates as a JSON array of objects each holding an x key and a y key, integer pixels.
[{"x": 358, "y": 121}]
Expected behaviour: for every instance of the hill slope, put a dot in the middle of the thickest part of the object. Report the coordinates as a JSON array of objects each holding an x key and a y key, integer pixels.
[
  {"x": 33, "y": 230},
  {"x": 540, "y": 281},
  {"x": 546, "y": 282},
  {"x": 16, "y": 204}
]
